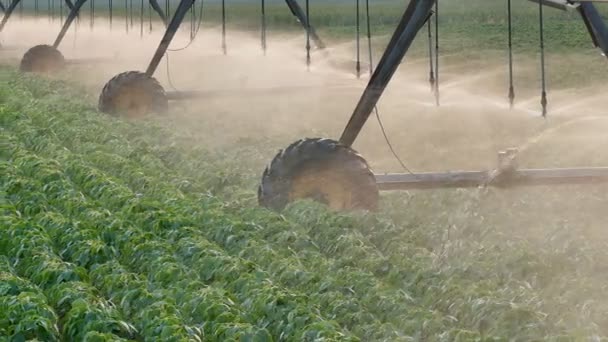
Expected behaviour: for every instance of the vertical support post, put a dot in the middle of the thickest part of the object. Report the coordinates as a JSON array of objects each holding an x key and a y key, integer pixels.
[
  {"x": 9, "y": 12},
  {"x": 358, "y": 38},
  {"x": 192, "y": 21},
  {"x": 127, "y": 16},
  {"x": 176, "y": 21},
  {"x": 369, "y": 38},
  {"x": 412, "y": 21},
  {"x": 131, "y": 12},
  {"x": 92, "y": 11},
  {"x": 141, "y": 19},
  {"x": 68, "y": 22},
  {"x": 224, "y": 47},
  {"x": 437, "y": 94},
  {"x": 510, "y": 28},
  {"x": 543, "y": 100},
  {"x": 302, "y": 18},
  {"x": 263, "y": 38},
  {"x": 110, "y": 7},
  {"x": 308, "y": 34},
  {"x": 431, "y": 61}
]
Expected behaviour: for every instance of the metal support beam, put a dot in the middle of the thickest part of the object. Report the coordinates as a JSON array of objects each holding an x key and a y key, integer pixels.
[
  {"x": 70, "y": 5},
  {"x": 412, "y": 21},
  {"x": 176, "y": 21},
  {"x": 68, "y": 22},
  {"x": 564, "y": 5},
  {"x": 506, "y": 175},
  {"x": 298, "y": 12},
  {"x": 592, "y": 18},
  {"x": 8, "y": 13},
  {"x": 595, "y": 25},
  {"x": 473, "y": 179},
  {"x": 264, "y": 91},
  {"x": 156, "y": 7}
]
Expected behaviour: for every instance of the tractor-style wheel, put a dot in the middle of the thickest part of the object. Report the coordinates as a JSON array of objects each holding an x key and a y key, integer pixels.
[
  {"x": 133, "y": 94},
  {"x": 42, "y": 59},
  {"x": 322, "y": 170}
]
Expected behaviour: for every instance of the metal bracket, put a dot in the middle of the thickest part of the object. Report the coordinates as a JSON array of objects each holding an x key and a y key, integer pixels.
[{"x": 507, "y": 167}]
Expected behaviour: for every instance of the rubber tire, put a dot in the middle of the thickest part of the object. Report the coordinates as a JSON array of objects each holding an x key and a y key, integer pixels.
[
  {"x": 42, "y": 59},
  {"x": 154, "y": 98},
  {"x": 352, "y": 177}
]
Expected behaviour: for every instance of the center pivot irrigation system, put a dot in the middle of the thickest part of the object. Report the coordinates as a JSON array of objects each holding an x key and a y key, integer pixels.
[
  {"x": 331, "y": 171},
  {"x": 47, "y": 58}
]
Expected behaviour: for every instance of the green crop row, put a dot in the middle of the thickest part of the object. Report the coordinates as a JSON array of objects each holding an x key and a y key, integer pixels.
[
  {"x": 384, "y": 302},
  {"x": 126, "y": 222},
  {"x": 154, "y": 258}
]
